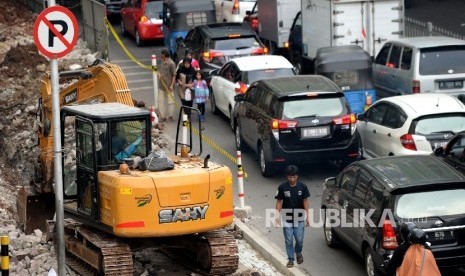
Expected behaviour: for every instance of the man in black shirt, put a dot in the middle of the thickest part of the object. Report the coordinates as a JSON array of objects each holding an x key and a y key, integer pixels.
[{"x": 292, "y": 200}]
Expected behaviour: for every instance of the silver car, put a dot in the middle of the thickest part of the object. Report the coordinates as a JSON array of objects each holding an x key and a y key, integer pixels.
[{"x": 420, "y": 65}]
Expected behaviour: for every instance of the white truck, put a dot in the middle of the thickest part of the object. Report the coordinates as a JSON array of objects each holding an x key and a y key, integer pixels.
[
  {"x": 275, "y": 19},
  {"x": 324, "y": 23}
]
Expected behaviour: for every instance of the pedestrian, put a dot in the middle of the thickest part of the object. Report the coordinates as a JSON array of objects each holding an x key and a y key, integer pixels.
[
  {"x": 293, "y": 206},
  {"x": 194, "y": 62},
  {"x": 201, "y": 93},
  {"x": 185, "y": 76},
  {"x": 398, "y": 255},
  {"x": 418, "y": 260},
  {"x": 166, "y": 81}
]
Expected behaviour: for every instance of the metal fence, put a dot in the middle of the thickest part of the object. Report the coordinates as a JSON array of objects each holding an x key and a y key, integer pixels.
[
  {"x": 95, "y": 32},
  {"x": 415, "y": 27}
]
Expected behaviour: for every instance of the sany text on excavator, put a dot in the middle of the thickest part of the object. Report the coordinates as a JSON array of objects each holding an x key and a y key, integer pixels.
[{"x": 101, "y": 134}]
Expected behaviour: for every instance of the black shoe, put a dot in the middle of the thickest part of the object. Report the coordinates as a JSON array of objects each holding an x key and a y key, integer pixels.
[
  {"x": 300, "y": 258},
  {"x": 290, "y": 264}
]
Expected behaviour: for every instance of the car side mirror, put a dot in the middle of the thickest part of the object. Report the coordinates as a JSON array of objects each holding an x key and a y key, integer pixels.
[
  {"x": 439, "y": 151},
  {"x": 248, "y": 12},
  {"x": 361, "y": 117},
  {"x": 330, "y": 182},
  {"x": 239, "y": 98}
]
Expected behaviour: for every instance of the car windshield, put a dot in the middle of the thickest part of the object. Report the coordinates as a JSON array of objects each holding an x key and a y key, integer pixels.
[
  {"x": 430, "y": 204},
  {"x": 307, "y": 107},
  {"x": 234, "y": 43},
  {"x": 442, "y": 60},
  {"x": 255, "y": 75},
  {"x": 154, "y": 10},
  {"x": 439, "y": 123}
]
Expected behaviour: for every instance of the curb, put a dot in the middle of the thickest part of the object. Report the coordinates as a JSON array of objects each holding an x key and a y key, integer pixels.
[{"x": 267, "y": 251}]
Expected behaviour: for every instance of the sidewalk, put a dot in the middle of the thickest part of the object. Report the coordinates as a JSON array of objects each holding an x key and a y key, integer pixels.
[{"x": 250, "y": 235}]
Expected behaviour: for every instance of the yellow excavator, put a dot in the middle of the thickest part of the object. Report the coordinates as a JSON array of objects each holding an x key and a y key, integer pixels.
[{"x": 110, "y": 199}]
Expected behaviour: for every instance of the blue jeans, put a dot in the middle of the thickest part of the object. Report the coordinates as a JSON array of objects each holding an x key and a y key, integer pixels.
[{"x": 291, "y": 232}]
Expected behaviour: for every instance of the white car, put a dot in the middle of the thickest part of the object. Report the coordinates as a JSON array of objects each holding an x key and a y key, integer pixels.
[
  {"x": 237, "y": 74},
  {"x": 410, "y": 124},
  {"x": 232, "y": 10}
]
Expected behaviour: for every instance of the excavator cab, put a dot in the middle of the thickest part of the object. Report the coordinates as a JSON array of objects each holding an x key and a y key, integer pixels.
[{"x": 99, "y": 137}]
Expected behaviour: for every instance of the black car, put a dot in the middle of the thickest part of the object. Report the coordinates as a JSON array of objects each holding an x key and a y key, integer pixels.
[
  {"x": 295, "y": 119},
  {"x": 454, "y": 152},
  {"x": 215, "y": 44},
  {"x": 374, "y": 197}
]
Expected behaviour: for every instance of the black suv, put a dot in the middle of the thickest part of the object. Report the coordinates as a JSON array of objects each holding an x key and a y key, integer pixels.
[
  {"x": 215, "y": 44},
  {"x": 295, "y": 119},
  {"x": 365, "y": 205}
]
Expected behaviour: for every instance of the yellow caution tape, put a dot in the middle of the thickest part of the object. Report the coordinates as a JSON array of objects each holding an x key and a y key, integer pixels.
[{"x": 120, "y": 42}]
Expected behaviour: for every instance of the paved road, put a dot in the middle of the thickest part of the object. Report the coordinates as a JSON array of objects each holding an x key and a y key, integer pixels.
[{"x": 319, "y": 260}]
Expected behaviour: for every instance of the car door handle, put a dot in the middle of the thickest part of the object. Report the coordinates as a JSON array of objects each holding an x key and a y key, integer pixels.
[{"x": 374, "y": 130}]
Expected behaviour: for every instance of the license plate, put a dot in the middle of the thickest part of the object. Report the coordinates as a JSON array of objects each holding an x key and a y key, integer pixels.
[
  {"x": 450, "y": 84},
  {"x": 441, "y": 235},
  {"x": 315, "y": 132}
]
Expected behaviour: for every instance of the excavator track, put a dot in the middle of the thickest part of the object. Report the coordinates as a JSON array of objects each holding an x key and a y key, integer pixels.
[
  {"x": 105, "y": 254},
  {"x": 216, "y": 252}
]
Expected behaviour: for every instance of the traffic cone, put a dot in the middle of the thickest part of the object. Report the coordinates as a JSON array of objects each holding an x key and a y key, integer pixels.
[{"x": 153, "y": 116}]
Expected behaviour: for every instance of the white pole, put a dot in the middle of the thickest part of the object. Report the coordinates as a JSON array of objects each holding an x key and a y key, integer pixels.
[
  {"x": 184, "y": 129},
  {"x": 155, "y": 81},
  {"x": 240, "y": 179}
]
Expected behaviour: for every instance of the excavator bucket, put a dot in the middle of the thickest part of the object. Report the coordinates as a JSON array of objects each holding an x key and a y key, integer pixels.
[{"x": 34, "y": 210}]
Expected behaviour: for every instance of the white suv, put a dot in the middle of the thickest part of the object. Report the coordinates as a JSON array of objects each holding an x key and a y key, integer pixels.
[
  {"x": 420, "y": 65},
  {"x": 232, "y": 10},
  {"x": 410, "y": 124}
]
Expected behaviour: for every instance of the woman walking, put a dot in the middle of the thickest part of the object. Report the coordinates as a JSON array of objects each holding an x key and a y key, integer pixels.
[{"x": 201, "y": 93}]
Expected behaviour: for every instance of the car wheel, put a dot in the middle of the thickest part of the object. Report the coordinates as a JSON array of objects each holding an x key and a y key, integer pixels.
[
  {"x": 240, "y": 145},
  {"x": 298, "y": 68},
  {"x": 330, "y": 236},
  {"x": 231, "y": 119},
  {"x": 265, "y": 166},
  {"x": 139, "y": 41},
  {"x": 370, "y": 266},
  {"x": 123, "y": 31},
  {"x": 213, "y": 103}
]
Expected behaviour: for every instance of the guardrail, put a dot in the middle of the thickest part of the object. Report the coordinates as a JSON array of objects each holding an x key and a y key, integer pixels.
[{"x": 414, "y": 27}]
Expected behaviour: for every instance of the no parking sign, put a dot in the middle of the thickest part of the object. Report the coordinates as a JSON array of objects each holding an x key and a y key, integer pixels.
[{"x": 55, "y": 32}]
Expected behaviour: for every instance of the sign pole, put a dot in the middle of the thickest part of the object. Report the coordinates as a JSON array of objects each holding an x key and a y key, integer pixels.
[
  {"x": 57, "y": 156},
  {"x": 55, "y": 35}
]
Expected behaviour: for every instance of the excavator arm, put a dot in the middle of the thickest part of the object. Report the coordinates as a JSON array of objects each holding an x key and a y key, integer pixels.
[{"x": 102, "y": 82}]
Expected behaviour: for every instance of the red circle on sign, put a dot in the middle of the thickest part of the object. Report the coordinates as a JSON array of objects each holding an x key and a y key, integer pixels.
[{"x": 69, "y": 45}]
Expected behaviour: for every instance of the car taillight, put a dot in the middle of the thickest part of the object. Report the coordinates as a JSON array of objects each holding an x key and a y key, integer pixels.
[
  {"x": 144, "y": 18},
  {"x": 389, "y": 236},
  {"x": 208, "y": 56},
  {"x": 407, "y": 142},
  {"x": 235, "y": 9},
  {"x": 242, "y": 88},
  {"x": 260, "y": 51},
  {"x": 346, "y": 122},
  {"x": 416, "y": 86},
  {"x": 277, "y": 125}
]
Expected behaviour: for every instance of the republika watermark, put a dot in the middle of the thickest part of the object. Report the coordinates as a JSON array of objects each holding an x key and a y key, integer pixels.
[{"x": 335, "y": 217}]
